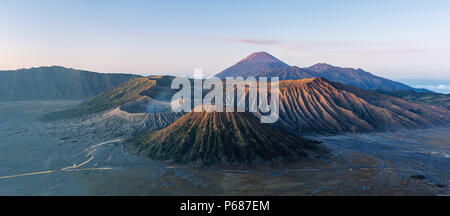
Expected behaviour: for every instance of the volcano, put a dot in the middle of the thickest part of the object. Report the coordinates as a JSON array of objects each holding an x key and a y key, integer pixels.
[
  {"x": 252, "y": 64},
  {"x": 265, "y": 65},
  {"x": 231, "y": 137},
  {"x": 318, "y": 105}
]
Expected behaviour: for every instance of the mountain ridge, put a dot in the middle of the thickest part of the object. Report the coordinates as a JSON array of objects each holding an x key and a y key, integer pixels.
[
  {"x": 258, "y": 61},
  {"x": 230, "y": 137},
  {"x": 314, "y": 105},
  {"x": 56, "y": 83},
  {"x": 118, "y": 96},
  {"x": 317, "y": 105},
  {"x": 351, "y": 76}
]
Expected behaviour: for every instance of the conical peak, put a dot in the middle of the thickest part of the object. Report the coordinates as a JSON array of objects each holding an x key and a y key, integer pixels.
[{"x": 260, "y": 57}]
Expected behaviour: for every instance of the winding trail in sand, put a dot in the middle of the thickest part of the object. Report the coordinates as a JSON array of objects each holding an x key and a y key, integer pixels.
[{"x": 75, "y": 167}]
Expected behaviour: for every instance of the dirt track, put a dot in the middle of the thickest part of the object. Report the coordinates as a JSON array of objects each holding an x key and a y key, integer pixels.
[{"x": 32, "y": 154}]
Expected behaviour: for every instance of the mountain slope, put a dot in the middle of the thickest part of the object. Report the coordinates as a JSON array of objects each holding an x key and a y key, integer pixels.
[
  {"x": 313, "y": 105},
  {"x": 265, "y": 65},
  {"x": 256, "y": 62},
  {"x": 431, "y": 98},
  {"x": 319, "y": 106},
  {"x": 56, "y": 83},
  {"x": 290, "y": 73},
  {"x": 210, "y": 137},
  {"x": 139, "y": 95},
  {"x": 349, "y": 76},
  {"x": 356, "y": 77},
  {"x": 121, "y": 95}
]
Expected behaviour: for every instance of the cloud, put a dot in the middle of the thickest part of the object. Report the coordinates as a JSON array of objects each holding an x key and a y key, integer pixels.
[
  {"x": 340, "y": 47},
  {"x": 256, "y": 42},
  {"x": 362, "y": 50},
  {"x": 442, "y": 88},
  {"x": 344, "y": 47},
  {"x": 279, "y": 43}
]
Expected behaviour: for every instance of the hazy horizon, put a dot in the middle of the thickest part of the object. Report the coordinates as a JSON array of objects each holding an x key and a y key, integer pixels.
[
  {"x": 224, "y": 99},
  {"x": 397, "y": 40}
]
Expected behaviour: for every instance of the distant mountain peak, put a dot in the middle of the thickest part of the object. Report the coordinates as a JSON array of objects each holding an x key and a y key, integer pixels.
[
  {"x": 319, "y": 67},
  {"x": 260, "y": 57},
  {"x": 262, "y": 64},
  {"x": 254, "y": 63}
]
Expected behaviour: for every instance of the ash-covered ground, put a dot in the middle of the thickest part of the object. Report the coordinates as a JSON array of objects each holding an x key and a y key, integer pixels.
[{"x": 67, "y": 158}]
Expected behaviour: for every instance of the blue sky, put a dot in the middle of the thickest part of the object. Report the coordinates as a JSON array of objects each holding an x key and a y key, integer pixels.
[{"x": 394, "y": 39}]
